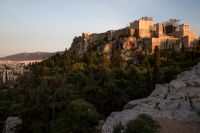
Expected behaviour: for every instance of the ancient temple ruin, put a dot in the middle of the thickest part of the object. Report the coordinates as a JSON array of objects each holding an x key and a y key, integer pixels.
[{"x": 142, "y": 34}]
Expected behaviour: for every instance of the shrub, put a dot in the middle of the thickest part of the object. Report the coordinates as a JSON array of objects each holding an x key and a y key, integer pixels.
[
  {"x": 143, "y": 124},
  {"x": 78, "y": 66},
  {"x": 119, "y": 129},
  {"x": 79, "y": 117}
]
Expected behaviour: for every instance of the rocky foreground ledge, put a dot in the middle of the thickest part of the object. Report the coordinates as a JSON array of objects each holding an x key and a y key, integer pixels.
[{"x": 178, "y": 100}]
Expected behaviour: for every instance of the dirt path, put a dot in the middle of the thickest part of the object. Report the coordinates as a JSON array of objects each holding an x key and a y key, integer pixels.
[{"x": 174, "y": 126}]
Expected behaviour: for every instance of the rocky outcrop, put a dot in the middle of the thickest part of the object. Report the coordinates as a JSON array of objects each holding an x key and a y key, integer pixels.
[
  {"x": 128, "y": 48},
  {"x": 177, "y": 100},
  {"x": 99, "y": 41},
  {"x": 129, "y": 43},
  {"x": 11, "y": 124}
]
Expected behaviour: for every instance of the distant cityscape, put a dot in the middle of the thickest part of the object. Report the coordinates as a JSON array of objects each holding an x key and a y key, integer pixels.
[
  {"x": 11, "y": 70},
  {"x": 13, "y": 66}
]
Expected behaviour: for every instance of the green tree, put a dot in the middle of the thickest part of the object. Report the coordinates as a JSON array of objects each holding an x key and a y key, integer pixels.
[
  {"x": 68, "y": 57},
  {"x": 156, "y": 65},
  {"x": 89, "y": 57},
  {"x": 116, "y": 59},
  {"x": 78, "y": 66},
  {"x": 104, "y": 62},
  {"x": 143, "y": 124},
  {"x": 149, "y": 78},
  {"x": 79, "y": 117},
  {"x": 183, "y": 48}
]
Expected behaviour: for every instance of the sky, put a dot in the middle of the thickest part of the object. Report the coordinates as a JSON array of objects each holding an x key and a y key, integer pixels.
[{"x": 51, "y": 25}]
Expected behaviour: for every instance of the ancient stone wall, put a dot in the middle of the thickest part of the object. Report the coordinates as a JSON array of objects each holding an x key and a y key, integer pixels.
[
  {"x": 184, "y": 30},
  {"x": 187, "y": 41},
  {"x": 171, "y": 43},
  {"x": 125, "y": 32},
  {"x": 144, "y": 27},
  {"x": 97, "y": 37},
  {"x": 159, "y": 30}
]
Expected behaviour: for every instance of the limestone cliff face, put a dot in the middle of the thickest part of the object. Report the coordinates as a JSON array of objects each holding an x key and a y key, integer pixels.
[
  {"x": 177, "y": 100},
  {"x": 122, "y": 39}
]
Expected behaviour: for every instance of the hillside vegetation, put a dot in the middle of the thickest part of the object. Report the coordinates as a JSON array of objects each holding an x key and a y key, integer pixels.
[{"x": 70, "y": 94}]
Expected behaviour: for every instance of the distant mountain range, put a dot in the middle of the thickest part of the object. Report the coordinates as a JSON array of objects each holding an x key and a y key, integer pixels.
[{"x": 28, "y": 56}]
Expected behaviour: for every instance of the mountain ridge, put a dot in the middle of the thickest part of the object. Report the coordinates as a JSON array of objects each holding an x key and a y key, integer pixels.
[{"x": 28, "y": 56}]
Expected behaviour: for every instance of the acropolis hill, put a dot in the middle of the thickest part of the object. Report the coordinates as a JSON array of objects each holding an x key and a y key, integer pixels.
[{"x": 142, "y": 35}]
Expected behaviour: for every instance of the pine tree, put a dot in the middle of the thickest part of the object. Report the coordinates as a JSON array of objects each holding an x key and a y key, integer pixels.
[
  {"x": 68, "y": 57},
  {"x": 156, "y": 65},
  {"x": 89, "y": 57},
  {"x": 116, "y": 59},
  {"x": 183, "y": 48},
  {"x": 149, "y": 77}
]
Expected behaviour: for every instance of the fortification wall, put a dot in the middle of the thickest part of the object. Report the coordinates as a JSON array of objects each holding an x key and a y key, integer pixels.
[
  {"x": 97, "y": 37},
  {"x": 145, "y": 25},
  {"x": 125, "y": 32}
]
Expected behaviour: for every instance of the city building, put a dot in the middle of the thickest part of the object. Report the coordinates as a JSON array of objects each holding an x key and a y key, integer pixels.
[{"x": 10, "y": 72}]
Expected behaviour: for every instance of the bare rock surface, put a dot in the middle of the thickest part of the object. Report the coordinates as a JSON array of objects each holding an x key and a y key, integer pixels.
[{"x": 178, "y": 100}]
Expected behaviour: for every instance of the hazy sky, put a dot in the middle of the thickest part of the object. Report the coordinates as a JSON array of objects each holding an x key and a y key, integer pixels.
[{"x": 50, "y": 25}]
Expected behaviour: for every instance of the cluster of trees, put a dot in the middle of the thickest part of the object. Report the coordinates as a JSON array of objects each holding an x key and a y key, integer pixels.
[
  {"x": 70, "y": 93},
  {"x": 10, "y": 105}
]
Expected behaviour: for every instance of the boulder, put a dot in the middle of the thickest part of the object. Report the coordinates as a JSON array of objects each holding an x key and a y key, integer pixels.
[{"x": 11, "y": 124}]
